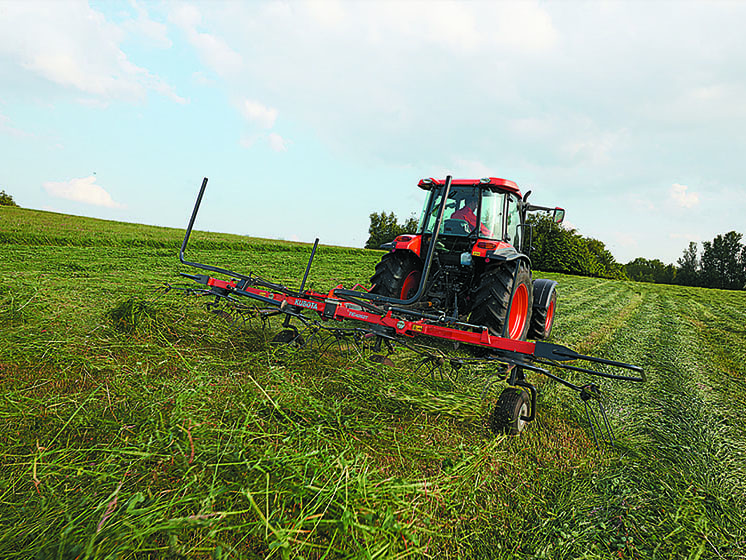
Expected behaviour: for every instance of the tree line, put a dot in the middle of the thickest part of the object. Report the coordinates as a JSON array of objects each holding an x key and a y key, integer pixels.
[
  {"x": 721, "y": 264},
  {"x": 6, "y": 199}
]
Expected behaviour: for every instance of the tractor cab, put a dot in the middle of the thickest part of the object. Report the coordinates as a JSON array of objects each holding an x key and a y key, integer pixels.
[{"x": 487, "y": 208}]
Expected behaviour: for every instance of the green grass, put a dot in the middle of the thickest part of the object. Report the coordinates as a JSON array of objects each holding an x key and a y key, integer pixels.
[{"x": 136, "y": 424}]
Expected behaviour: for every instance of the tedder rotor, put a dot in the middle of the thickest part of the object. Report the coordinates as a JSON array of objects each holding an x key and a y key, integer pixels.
[{"x": 464, "y": 279}]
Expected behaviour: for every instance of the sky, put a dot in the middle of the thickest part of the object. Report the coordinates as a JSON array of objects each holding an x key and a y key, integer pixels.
[{"x": 308, "y": 116}]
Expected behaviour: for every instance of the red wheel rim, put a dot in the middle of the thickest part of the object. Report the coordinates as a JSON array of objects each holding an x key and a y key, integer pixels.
[
  {"x": 550, "y": 318},
  {"x": 518, "y": 312},
  {"x": 411, "y": 283}
]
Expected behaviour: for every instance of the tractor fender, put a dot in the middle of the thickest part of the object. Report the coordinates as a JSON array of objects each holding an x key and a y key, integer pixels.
[
  {"x": 543, "y": 290},
  {"x": 406, "y": 242},
  {"x": 544, "y": 309},
  {"x": 507, "y": 254}
]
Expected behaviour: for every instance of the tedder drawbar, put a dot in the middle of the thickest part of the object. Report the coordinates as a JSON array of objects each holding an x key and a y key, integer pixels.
[{"x": 460, "y": 287}]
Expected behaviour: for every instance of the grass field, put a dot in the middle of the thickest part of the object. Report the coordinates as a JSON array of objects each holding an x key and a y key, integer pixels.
[{"x": 135, "y": 424}]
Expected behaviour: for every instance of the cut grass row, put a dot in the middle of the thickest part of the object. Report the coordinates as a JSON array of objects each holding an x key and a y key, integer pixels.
[{"x": 186, "y": 437}]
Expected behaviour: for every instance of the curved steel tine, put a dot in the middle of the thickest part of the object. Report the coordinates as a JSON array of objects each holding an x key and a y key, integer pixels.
[
  {"x": 444, "y": 377},
  {"x": 354, "y": 345},
  {"x": 591, "y": 420},
  {"x": 339, "y": 340},
  {"x": 356, "y": 341},
  {"x": 421, "y": 365},
  {"x": 327, "y": 342},
  {"x": 435, "y": 367},
  {"x": 311, "y": 336}
]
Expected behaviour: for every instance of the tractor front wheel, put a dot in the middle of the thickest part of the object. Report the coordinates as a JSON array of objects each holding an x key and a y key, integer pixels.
[
  {"x": 397, "y": 275},
  {"x": 491, "y": 300},
  {"x": 544, "y": 309}
]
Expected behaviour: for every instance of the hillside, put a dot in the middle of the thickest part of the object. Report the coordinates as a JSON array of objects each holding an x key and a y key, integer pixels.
[{"x": 136, "y": 424}]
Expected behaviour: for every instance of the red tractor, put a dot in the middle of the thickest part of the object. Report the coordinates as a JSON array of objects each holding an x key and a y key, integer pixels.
[{"x": 470, "y": 259}]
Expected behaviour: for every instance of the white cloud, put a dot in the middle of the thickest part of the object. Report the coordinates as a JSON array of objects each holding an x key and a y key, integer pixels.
[
  {"x": 471, "y": 169},
  {"x": 414, "y": 75},
  {"x": 213, "y": 50},
  {"x": 201, "y": 79},
  {"x": 248, "y": 141},
  {"x": 73, "y": 46},
  {"x": 525, "y": 26},
  {"x": 259, "y": 114},
  {"x": 277, "y": 142},
  {"x": 155, "y": 32},
  {"x": 329, "y": 13},
  {"x": 83, "y": 190},
  {"x": 679, "y": 195},
  {"x": 462, "y": 26},
  {"x": 7, "y": 127}
]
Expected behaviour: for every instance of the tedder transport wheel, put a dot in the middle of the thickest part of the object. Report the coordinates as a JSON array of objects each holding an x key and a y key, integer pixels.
[
  {"x": 506, "y": 417},
  {"x": 397, "y": 275},
  {"x": 491, "y": 300}
]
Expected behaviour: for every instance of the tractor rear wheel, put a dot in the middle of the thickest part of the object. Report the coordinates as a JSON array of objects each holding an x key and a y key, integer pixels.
[
  {"x": 492, "y": 299},
  {"x": 397, "y": 275},
  {"x": 512, "y": 405}
]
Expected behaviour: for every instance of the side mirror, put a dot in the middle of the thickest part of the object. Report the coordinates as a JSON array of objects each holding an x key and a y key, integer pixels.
[{"x": 558, "y": 215}]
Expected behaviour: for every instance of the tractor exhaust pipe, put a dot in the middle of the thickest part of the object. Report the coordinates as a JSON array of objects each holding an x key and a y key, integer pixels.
[{"x": 425, "y": 272}]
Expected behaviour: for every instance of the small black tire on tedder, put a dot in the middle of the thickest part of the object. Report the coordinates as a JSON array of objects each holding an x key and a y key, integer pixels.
[
  {"x": 511, "y": 413},
  {"x": 289, "y": 336}
]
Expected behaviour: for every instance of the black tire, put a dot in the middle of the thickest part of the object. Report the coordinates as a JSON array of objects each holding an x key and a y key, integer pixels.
[
  {"x": 288, "y": 336},
  {"x": 511, "y": 406},
  {"x": 544, "y": 309},
  {"x": 491, "y": 300},
  {"x": 397, "y": 273}
]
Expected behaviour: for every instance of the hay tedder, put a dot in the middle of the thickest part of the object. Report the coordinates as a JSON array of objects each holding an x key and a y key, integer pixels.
[{"x": 458, "y": 292}]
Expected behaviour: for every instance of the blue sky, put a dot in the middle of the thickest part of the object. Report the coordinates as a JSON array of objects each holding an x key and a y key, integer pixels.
[{"x": 308, "y": 116}]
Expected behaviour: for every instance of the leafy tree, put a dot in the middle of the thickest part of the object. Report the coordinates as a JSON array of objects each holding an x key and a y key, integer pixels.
[
  {"x": 688, "y": 271},
  {"x": 644, "y": 270},
  {"x": 723, "y": 262},
  {"x": 722, "y": 265},
  {"x": 556, "y": 249},
  {"x": 385, "y": 227},
  {"x": 604, "y": 263},
  {"x": 6, "y": 199}
]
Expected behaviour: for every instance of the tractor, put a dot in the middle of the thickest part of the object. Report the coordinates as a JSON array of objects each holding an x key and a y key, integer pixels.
[{"x": 480, "y": 270}]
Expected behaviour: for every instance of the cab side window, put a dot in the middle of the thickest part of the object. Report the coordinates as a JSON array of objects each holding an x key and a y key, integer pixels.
[{"x": 514, "y": 222}]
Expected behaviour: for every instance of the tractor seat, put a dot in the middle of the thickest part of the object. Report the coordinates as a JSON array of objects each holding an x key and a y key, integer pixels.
[{"x": 456, "y": 227}]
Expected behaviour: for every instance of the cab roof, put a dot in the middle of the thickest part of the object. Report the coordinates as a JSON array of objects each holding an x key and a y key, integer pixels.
[{"x": 486, "y": 182}]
